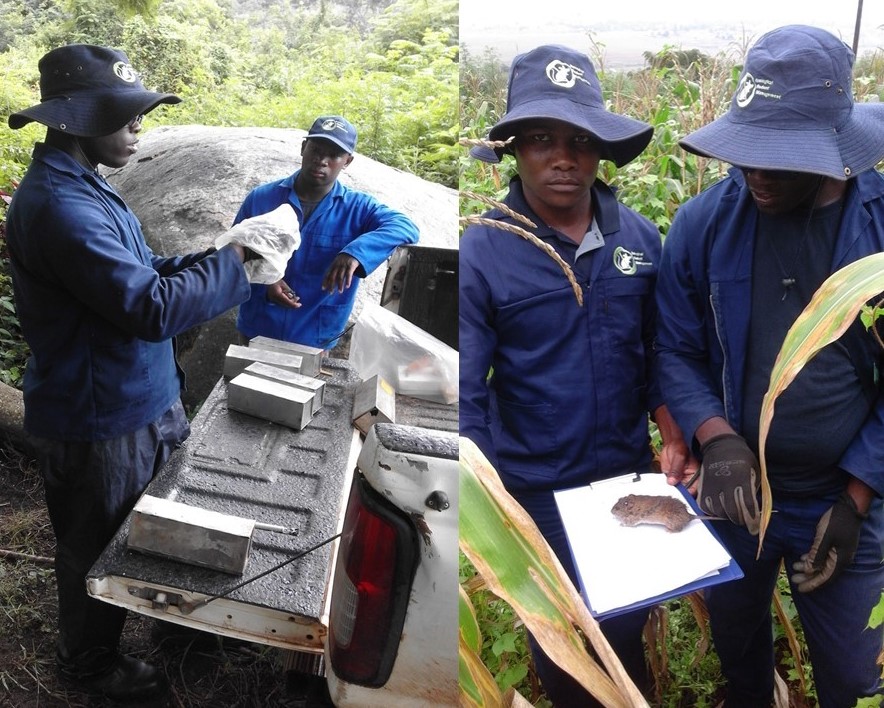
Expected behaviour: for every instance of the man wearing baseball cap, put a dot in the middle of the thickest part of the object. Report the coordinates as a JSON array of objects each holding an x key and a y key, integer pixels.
[
  {"x": 571, "y": 385},
  {"x": 98, "y": 310},
  {"x": 740, "y": 263},
  {"x": 345, "y": 234}
]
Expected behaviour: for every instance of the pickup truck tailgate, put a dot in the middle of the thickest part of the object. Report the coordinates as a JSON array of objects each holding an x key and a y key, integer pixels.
[{"x": 244, "y": 466}]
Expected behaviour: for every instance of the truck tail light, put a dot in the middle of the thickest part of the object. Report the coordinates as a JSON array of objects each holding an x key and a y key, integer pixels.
[{"x": 377, "y": 560}]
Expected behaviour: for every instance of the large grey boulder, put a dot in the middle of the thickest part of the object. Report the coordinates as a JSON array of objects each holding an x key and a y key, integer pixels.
[
  {"x": 186, "y": 183},
  {"x": 12, "y": 416}
]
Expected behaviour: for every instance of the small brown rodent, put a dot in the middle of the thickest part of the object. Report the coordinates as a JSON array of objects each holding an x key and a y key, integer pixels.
[{"x": 635, "y": 509}]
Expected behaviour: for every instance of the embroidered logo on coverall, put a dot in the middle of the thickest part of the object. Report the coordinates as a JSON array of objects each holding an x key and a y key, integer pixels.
[{"x": 627, "y": 262}]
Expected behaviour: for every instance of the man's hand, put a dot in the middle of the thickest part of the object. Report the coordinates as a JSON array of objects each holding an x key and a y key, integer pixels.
[
  {"x": 676, "y": 460},
  {"x": 339, "y": 275},
  {"x": 245, "y": 254},
  {"x": 728, "y": 483},
  {"x": 834, "y": 544},
  {"x": 281, "y": 294}
]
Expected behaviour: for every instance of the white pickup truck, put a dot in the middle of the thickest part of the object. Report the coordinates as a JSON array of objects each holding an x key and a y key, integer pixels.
[{"x": 377, "y": 605}]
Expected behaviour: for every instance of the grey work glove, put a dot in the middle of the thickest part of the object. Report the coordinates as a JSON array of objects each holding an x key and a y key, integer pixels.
[
  {"x": 833, "y": 547},
  {"x": 728, "y": 481}
]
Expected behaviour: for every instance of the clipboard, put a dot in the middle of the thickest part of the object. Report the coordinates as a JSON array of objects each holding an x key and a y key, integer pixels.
[{"x": 624, "y": 568}]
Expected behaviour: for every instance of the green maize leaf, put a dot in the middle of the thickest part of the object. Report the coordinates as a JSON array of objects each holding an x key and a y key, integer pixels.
[
  {"x": 877, "y": 617},
  {"x": 476, "y": 684},
  {"x": 831, "y": 310},
  {"x": 508, "y": 551},
  {"x": 469, "y": 625}
]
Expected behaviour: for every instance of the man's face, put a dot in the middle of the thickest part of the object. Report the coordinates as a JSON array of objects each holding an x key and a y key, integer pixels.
[
  {"x": 779, "y": 192},
  {"x": 113, "y": 150},
  {"x": 322, "y": 162},
  {"x": 557, "y": 162}
]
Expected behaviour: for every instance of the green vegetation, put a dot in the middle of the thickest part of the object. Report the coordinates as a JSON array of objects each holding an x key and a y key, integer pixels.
[
  {"x": 389, "y": 66},
  {"x": 677, "y": 92},
  {"x": 504, "y": 639}
]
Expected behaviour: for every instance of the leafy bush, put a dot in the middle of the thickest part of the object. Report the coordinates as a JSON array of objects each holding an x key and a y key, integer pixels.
[
  {"x": 13, "y": 350},
  {"x": 393, "y": 73},
  {"x": 389, "y": 66}
]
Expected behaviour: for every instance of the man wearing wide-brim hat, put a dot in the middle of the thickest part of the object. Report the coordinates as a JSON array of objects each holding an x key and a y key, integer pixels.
[
  {"x": 571, "y": 384},
  {"x": 740, "y": 263},
  {"x": 98, "y": 310}
]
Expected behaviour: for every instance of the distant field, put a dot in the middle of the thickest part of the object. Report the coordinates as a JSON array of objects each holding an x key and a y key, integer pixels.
[{"x": 623, "y": 48}]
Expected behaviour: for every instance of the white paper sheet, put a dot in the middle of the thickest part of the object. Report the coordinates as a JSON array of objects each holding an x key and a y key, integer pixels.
[{"x": 622, "y": 565}]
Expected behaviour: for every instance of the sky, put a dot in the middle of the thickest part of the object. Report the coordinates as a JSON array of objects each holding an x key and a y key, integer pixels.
[{"x": 629, "y": 27}]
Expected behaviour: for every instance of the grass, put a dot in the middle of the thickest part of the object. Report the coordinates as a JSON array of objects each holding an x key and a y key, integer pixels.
[
  {"x": 686, "y": 672},
  {"x": 683, "y": 664}
]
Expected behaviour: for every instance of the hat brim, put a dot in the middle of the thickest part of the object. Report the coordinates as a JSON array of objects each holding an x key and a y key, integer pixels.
[
  {"x": 91, "y": 114},
  {"x": 855, "y": 147},
  {"x": 485, "y": 154},
  {"x": 621, "y": 138}
]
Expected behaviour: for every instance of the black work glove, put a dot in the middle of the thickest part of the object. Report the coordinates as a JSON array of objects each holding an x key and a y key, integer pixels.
[
  {"x": 728, "y": 481},
  {"x": 834, "y": 544}
]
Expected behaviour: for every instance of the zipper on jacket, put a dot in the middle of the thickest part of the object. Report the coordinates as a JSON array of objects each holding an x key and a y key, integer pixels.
[{"x": 724, "y": 363}]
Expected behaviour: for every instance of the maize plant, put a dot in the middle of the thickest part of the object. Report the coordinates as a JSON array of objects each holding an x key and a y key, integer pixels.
[
  {"x": 517, "y": 564},
  {"x": 830, "y": 312}
]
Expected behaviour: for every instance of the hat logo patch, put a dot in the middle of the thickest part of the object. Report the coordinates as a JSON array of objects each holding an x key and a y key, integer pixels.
[
  {"x": 750, "y": 88},
  {"x": 332, "y": 124},
  {"x": 125, "y": 72},
  {"x": 563, "y": 74},
  {"x": 746, "y": 90}
]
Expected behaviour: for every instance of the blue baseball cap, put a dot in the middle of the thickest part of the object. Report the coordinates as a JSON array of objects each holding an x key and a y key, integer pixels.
[
  {"x": 552, "y": 81},
  {"x": 794, "y": 110},
  {"x": 88, "y": 91},
  {"x": 337, "y": 129}
]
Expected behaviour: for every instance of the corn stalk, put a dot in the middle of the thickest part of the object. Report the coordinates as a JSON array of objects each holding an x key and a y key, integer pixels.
[
  {"x": 508, "y": 551},
  {"x": 830, "y": 312},
  {"x": 477, "y": 686}
]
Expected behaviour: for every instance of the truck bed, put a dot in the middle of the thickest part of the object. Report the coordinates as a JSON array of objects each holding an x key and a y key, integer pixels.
[{"x": 244, "y": 466}]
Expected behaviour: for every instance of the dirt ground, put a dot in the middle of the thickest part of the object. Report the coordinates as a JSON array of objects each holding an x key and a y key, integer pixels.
[{"x": 203, "y": 669}]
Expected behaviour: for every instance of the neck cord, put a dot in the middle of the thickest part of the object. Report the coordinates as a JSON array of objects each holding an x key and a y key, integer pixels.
[
  {"x": 789, "y": 276},
  {"x": 82, "y": 152}
]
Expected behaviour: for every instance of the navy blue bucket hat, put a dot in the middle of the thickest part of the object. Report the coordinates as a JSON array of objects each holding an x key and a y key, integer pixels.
[
  {"x": 556, "y": 82},
  {"x": 337, "y": 129},
  {"x": 794, "y": 110},
  {"x": 88, "y": 91}
]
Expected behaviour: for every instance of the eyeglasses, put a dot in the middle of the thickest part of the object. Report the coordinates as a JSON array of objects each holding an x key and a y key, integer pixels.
[{"x": 137, "y": 119}]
